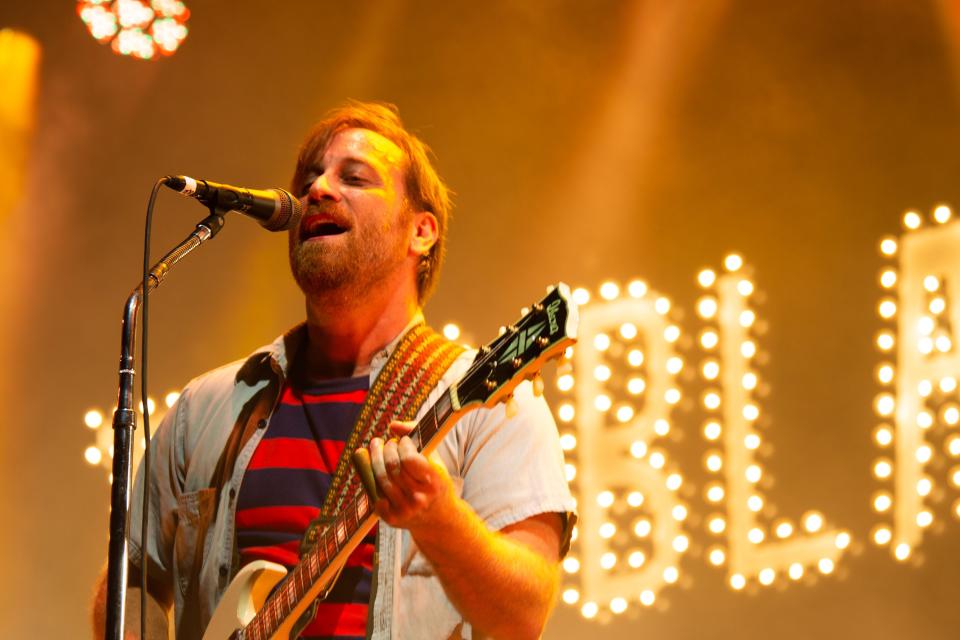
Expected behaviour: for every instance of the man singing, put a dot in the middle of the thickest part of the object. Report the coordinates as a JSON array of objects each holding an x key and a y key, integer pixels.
[{"x": 469, "y": 538}]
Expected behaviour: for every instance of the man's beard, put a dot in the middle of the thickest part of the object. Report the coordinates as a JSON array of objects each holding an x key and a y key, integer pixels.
[{"x": 353, "y": 264}]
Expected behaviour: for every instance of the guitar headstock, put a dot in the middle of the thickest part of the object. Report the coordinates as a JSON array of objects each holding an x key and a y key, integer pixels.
[{"x": 521, "y": 350}]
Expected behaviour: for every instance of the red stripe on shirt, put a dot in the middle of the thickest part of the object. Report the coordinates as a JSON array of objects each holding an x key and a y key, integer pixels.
[
  {"x": 287, "y": 519},
  {"x": 287, "y": 553},
  {"x": 297, "y": 453},
  {"x": 362, "y": 556},
  {"x": 338, "y": 619},
  {"x": 290, "y": 396}
]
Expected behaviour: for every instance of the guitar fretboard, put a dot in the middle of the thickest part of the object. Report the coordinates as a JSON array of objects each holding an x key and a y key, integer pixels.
[{"x": 353, "y": 515}]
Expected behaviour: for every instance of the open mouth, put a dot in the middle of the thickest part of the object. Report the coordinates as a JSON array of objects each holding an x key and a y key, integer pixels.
[{"x": 320, "y": 226}]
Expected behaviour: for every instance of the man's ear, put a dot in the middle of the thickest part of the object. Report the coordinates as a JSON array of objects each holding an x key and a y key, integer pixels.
[{"x": 426, "y": 231}]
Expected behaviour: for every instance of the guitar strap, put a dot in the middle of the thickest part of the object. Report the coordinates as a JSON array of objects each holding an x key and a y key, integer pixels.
[{"x": 400, "y": 389}]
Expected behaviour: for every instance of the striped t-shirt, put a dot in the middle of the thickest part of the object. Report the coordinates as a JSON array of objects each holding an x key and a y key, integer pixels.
[{"x": 284, "y": 487}]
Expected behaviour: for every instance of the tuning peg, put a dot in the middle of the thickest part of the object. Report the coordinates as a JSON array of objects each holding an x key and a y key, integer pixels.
[
  {"x": 511, "y": 406},
  {"x": 502, "y": 330},
  {"x": 537, "y": 385},
  {"x": 524, "y": 311}
]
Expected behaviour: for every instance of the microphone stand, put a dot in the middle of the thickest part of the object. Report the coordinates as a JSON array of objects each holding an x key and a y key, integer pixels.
[{"x": 125, "y": 421}]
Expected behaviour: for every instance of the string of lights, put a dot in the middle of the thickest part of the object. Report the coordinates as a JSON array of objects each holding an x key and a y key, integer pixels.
[{"x": 917, "y": 402}]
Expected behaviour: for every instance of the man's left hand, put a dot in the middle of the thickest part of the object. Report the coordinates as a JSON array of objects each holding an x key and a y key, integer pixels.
[{"x": 411, "y": 487}]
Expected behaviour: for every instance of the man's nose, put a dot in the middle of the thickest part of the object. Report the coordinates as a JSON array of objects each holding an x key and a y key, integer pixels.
[{"x": 321, "y": 189}]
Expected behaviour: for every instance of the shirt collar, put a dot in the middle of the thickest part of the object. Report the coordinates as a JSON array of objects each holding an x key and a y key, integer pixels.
[{"x": 278, "y": 355}]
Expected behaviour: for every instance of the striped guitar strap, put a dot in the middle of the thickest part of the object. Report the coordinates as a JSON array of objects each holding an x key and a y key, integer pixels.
[{"x": 412, "y": 371}]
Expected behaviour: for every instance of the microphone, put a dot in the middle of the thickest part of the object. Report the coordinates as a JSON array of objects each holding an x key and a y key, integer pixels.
[{"x": 274, "y": 209}]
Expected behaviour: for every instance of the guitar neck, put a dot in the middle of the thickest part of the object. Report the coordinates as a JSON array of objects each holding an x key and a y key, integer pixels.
[{"x": 320, "y": 565}]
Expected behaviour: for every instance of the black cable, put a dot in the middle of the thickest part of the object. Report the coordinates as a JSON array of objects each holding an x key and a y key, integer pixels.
[{"x": 144, "y": 398}]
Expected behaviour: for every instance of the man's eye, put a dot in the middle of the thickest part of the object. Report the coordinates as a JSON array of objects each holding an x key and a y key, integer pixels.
[
  {"x": 352, "y": 178},
  {"x": 305, "y": 187}
]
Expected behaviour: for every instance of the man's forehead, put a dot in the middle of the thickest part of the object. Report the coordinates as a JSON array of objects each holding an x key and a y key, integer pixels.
[{"x": 363, "y": 144}]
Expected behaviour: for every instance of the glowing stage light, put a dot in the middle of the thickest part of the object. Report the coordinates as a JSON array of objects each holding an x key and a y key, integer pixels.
[
  {"x": 637, "y": 288},
  {"x": 93, "y": 418},
  {"x": 902, "y": 551},
  {"x": 717, "y": 557},
  {"x": 733, "y": 262},
  {"x": 882, "y": 502},
  {"x": 138, "y": 28},
  {"x": 912, "y": 220},
  {"x": 888, "y": 279},
  {"x": 712, "y": 430},
  {"x": 885, "y": 341},
  {"x": 609, "y": 290},
  {"x": 605, "y": 499},
  {"x": 601, "y": 342},
  {"x": 707, "y": 307},
  {"x": 618, "y": 605},
  {"x": 451, "y": 331},
  {"x": 888, "y": 246},
  {"x": 715, "y": 493},
  {"x": 93, "y": 455}
]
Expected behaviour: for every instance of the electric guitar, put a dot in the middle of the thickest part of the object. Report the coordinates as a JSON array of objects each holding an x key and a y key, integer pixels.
[{"x": 256, "y": 607}]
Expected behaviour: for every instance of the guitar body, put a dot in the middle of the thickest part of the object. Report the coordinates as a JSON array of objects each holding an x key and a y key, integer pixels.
[{"x": 244, "y": 597}]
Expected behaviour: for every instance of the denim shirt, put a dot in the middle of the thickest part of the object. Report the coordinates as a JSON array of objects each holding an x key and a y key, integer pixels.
[{"x": 507, "y": 469}]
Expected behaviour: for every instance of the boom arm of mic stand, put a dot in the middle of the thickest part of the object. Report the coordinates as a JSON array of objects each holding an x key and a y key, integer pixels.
[{"x": 125, "y": 421}]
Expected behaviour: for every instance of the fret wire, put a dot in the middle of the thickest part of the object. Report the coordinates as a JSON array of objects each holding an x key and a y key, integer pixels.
[
  {"x": 314, "y": 564},
  {"x": 279, "y": 602},
  {"x": 331, "y": 544},
  {"x": 283, "y": 597}
]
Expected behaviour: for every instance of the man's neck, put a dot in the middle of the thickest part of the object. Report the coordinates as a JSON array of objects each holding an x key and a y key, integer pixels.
[{"x": 345, "y": 332}]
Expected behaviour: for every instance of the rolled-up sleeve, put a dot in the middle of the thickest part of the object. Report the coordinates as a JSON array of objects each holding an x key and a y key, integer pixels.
[{"x": 513, "y": 468}]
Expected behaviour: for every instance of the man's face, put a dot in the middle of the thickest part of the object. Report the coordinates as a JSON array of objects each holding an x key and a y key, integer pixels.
[{"x": 355, "y": 229}]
